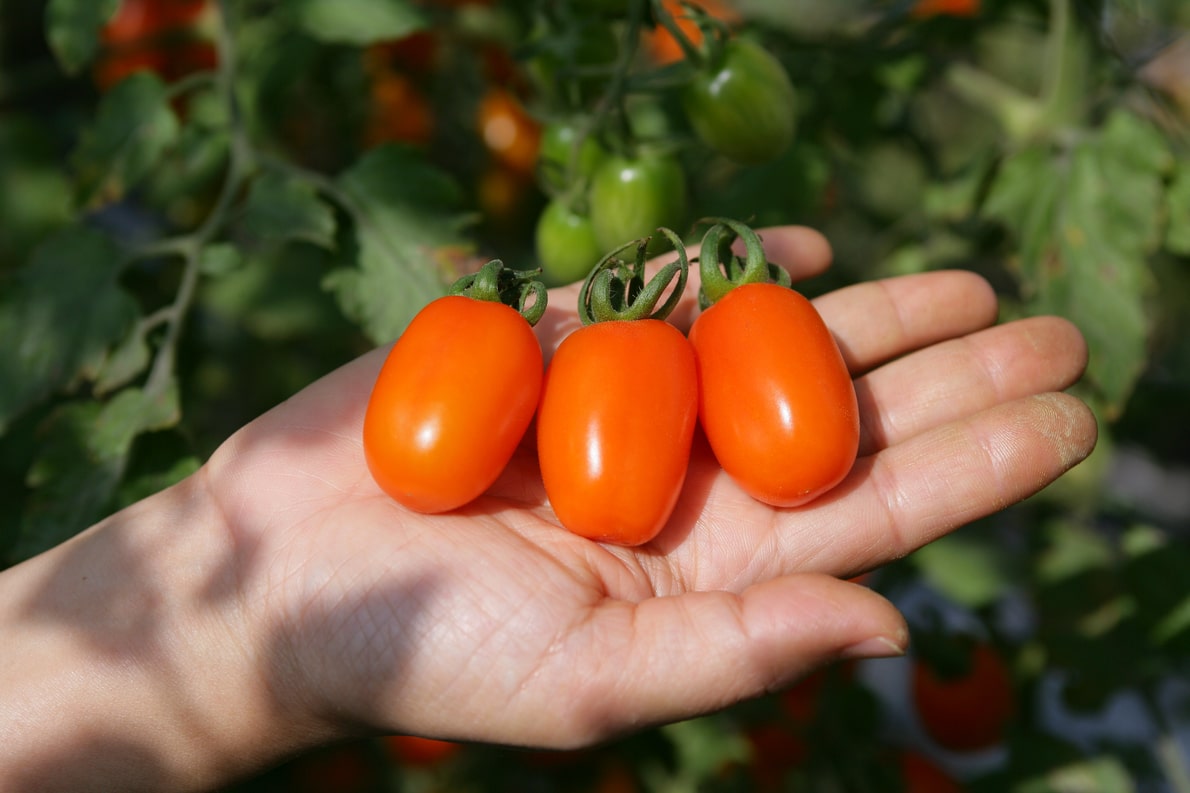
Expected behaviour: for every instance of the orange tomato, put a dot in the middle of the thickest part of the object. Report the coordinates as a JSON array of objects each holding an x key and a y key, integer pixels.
[
  {"x": 664, "y": 49},
  {"x": 452, "y": 402},
  {"x": 397, "y": 111},
  {"x": 777, "y": 403},
  {"x": 614, "y": 429},
  {"x": 508, "y": 131}
]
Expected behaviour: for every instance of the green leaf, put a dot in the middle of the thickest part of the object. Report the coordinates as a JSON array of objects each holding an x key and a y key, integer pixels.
[
  {"x": 1177, "y": 231},
  {"x": 406, "y": 222},
  {"x": 72, "y": 29},
  {"x": 58, "y": 316},
  {"x": 969, "y": 569},
  {"x": 134, "y": 128},
  {"x": 1086, "y": 219},
  {"x": 125, "y": 361},
  {"x": 82, "y": 460},
  {"x": 357, "y": 22},
  {"x": 282, "y": 208}
]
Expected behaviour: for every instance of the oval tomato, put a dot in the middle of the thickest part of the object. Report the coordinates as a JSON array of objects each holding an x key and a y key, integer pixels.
[
  {"x": 745, "y": 107},
  {"x": 614, "y": 428},
  {"x": 776, "y": 401},
  {"x": 566, "y": 246},
  {"x": 631, "y": 197},
  {"x": 661, "y": 45},
  {"x": 451, "y": 403},
  {"x": 508, "y": 131},
  {"x": 970, "y": 709}
]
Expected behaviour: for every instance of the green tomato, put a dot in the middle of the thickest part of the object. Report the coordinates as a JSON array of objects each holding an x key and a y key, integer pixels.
[
  {"x": 744, "y": 108},
  {"x": 562, "y": 159},
  {"x": 631, "y": 197},
  {"x": 566, "y": 246}
]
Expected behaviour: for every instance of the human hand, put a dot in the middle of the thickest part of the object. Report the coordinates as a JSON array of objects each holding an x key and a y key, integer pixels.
[
  {"x": 277, "y": 598},
  {"x": 493, "y": 623}
]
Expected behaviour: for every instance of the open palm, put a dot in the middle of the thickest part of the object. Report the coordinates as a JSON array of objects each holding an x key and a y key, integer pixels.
[{"x": 493, "y": 623}]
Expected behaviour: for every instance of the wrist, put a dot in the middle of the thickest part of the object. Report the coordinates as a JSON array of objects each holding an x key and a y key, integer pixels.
[{"x": 130, "y": 661}]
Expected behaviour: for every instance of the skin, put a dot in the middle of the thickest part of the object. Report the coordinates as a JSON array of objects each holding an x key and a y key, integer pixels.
[{"x": 277, "y": 599}]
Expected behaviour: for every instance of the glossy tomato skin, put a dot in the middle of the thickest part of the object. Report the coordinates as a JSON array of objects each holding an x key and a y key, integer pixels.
[
  {"x": 614, "y": 428},
  {"x": 566, "y": 246},
  {"x": 452, "y": 402},
  {"x": 776, "y": 400},
  {"x": 746, "y": 108},
  {"x": 631, "y": 197}
]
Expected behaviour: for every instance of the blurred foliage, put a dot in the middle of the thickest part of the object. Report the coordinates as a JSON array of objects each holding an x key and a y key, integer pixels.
[{"x": 205, "y": 206}]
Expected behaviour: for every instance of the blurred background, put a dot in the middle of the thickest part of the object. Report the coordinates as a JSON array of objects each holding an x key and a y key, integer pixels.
[{"x": 206, "y": 205}]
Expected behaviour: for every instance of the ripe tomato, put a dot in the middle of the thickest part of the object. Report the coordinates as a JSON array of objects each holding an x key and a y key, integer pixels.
[
  {"x": 631, "y": 197},
  {"x": 566, "y": 246},
  {"x": 777, "y": 403},
  {"x": 136, "y": 20},
  {"x": 614, "y": 428},
  {"x": 413, "y": 750},
  {"x": 451, "y": 403},
  {"x": 660, "y": 43},
  {"x": 397, "y": 111},
  {"x": 744, "y": 106},
  {"x": 971, "y": 709},
  {"x": 922, "y": 775},
  {"x": 954, "y": 8},
  {"x": 508, "y": 131}
]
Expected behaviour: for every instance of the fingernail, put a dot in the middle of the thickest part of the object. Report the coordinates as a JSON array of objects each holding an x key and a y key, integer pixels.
[{"x": 875, "y": 647}]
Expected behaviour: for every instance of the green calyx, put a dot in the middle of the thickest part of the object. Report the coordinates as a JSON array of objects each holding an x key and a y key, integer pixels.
[
  {"x": 519, "y": 289},
  {"x": 616, "y": 288},
  {"x": 721, "y": 270}
]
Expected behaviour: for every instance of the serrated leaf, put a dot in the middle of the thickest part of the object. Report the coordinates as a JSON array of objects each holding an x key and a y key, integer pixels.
[
  {"x": 58, "y": 316},
  {"x": 281, "y": 208},
  {"x": 82, "y": 460},
  {"x": 133, "y": 129},
  {"x": 357, "y": 22},
  {"x": 1086, "y": 219},
  {"x": 406, "y": 214},
  {"x": 125, "y": 361},
  {"x": 72, "y": 29}
]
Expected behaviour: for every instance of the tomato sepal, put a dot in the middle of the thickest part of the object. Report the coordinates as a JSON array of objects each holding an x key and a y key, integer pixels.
[
  {"x": 721, "y": 270},
  {"x": 616, "y": 288},
  {"x": 496, "y": 283}
]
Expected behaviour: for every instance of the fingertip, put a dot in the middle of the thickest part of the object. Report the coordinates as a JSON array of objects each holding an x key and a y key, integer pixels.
[{"x": 803, "y": 251}]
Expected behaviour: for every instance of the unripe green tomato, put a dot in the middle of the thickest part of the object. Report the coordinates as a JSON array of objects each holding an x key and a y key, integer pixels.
[
  {"x": 631, "y": 197},
  {"x": 557, "y": 155},
  {"x": 566, "y": 247},
  {"x": 745, "y": 108}
]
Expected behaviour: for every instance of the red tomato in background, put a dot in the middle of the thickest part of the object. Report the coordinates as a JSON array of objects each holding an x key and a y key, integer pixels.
[
  {"x": 452, "y": 402},
  {"x": 618, "y": 410},
  {"x": 969, "y": 711},
  {"x": 777, "y": 403},
  {"x": 953, "y": 8},
  {"x": 413, "y": 750},
  {"x": 922, "y": 775},
  {"x": 136, "y": 20},
  {"x": 161, "y": 36}
]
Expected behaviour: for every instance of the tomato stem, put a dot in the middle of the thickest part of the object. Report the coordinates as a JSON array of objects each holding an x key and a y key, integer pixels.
[
  {"x": 616, "y": 289},
  {"x": 721, "y": 270},
  {"x": 496, "y": 283}
]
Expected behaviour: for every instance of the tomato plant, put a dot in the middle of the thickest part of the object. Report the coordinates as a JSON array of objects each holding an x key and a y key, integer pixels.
[
  {"x": 456, "y": 393},
  {"x": 566, "y": 246},
  {"x": 776, "y": 400},
  {"x": 963, "y": 694},
  {"x": 632, "y": 196},
  {"x": 742, "y": 102},
  {"x": 619, "y": 405}
]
